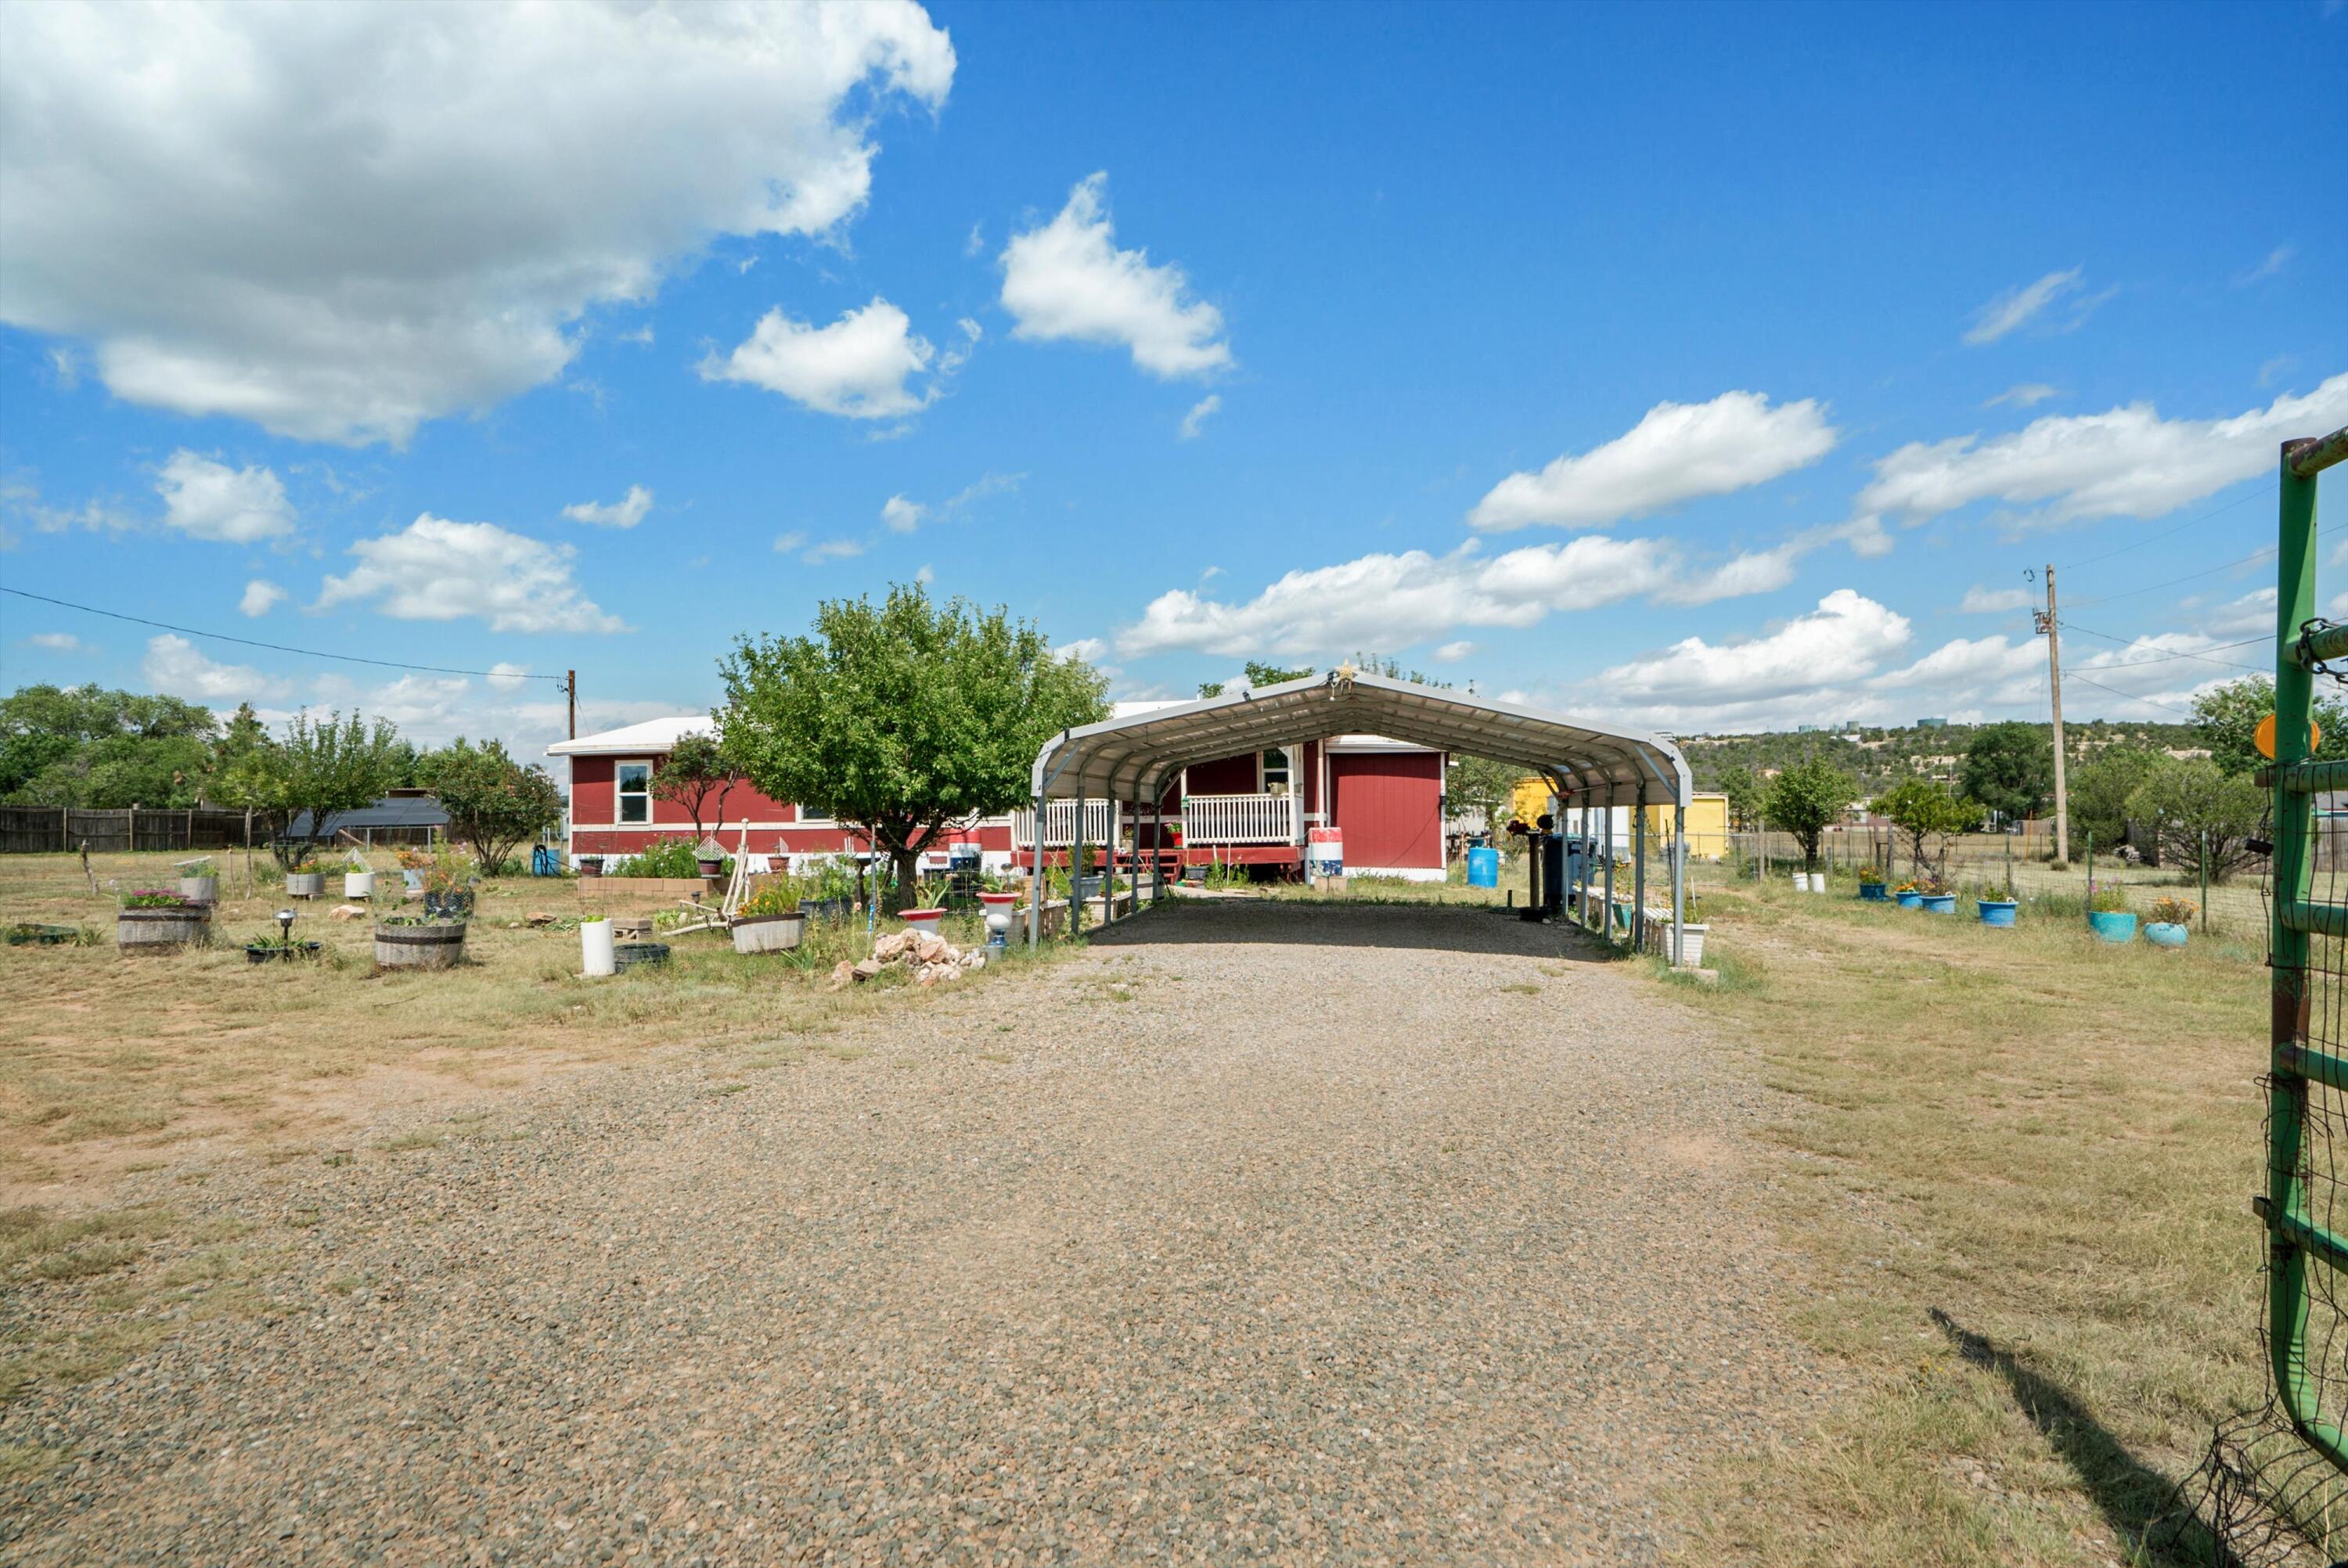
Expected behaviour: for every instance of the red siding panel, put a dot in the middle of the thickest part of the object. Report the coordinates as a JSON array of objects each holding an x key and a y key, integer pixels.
[{"x": 1389, "y": 807}]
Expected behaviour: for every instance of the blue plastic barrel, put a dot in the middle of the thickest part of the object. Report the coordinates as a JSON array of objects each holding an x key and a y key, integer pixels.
[{"x": 1483, "y": 866}]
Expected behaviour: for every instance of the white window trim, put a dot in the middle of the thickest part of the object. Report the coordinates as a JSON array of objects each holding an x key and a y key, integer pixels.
[{"x": 652, "y": 808}]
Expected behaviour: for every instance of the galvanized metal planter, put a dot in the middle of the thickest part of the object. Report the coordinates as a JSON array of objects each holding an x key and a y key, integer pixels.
[
  {"x": 439, "y": 947},
  {"x": 199, "y": 889},
  {"x": 306, "y": 885},
  {"x": 162, "y": 930},
  {"x": 769, "y": 933}
]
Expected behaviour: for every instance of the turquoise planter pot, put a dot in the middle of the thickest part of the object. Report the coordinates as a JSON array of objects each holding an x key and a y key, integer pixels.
[
  {"x": 2162, "y": 934},
  {"x": 1911, "y": 900},
  {"x": 1939, "y": 903},
  {"x": 1995, "y": 911},
  {"x": 1872, "y": 892},
  {"x": 2118, "y": 926}
]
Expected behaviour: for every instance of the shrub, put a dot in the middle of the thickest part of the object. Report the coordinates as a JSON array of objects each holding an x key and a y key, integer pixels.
[
  {"x": 667, "y": 857},
  {"x": 780, "y": 896},
  {"x": 153, "y": 898}
]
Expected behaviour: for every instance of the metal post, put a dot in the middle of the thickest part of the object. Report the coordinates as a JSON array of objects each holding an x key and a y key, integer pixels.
[
  {"x": 1607, "y": 905},
  {"x": 1679, "y": 880},
  {"x": 1638, "y": 873},
  {"x": 1109, "y": 872},
  {"x": 2204, "y": 881},
  {"x": 1035, "y": 882},
  {"x": 1076, "y": 871},
  {"x": 2053, "y": 630}
]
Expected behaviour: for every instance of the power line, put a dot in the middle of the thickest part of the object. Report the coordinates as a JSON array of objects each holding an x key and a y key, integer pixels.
[
  {"x": 2098, "y": 685},
  {"x": 2165, "y": 658},
  {"x": 280, "y": 647},
  {"x": 2156, "y": 539}
]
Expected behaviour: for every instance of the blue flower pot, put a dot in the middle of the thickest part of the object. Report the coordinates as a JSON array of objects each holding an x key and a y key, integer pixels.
[
  {"x": 1939, "y": 903},
  {"x": 2162, "y": 934},
  {"x": 1995, "y": 911},
  {"x": 2113, "y": 925},
  {"x": 1911, "y": 900},
  {"x": 1872, "y": 892}
]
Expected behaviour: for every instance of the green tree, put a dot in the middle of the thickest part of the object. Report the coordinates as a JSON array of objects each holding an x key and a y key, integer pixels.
[
  {"x": 1481, "y": 783},
  {"x": 2183, "y": 798},
  {"x": 2225, "y": 720},
  {"x": 1261, "y": 675},
  {"x": 1804, "y": 799},
  {"x": 2099, "y": 790},
  {"x": 495, "y": 804},
  {"x": 87, "y": 746},
  {"x": 2009, "y": 768},
  {"x": 1926, "y": 811},
  {"x": 1210, "y": 689},
  {"x": 900, "y": 718},
  {"x": 319, "y": 768},
  {"x": 1749, "y": 795},
  {"x": 694, "y": 776}
]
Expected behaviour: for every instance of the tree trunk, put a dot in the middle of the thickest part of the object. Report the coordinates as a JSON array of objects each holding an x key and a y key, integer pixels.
[{"x": 904, "y": 862}]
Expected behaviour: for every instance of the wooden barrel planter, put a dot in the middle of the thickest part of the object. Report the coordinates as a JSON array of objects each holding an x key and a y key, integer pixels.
[
  {"x": 626, "y": 956},
  {"x": 769, "y": 933},
  {"x": 440, "y": 946},
  {"x": 162, "y": 930}
]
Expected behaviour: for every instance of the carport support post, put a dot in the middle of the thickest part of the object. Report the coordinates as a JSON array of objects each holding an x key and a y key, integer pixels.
[
  {"x": 1638, "y": 873},
  {"x": 1679, "y": 880},
  {"x": 1606, "y": 908},
  {"x": 1076, "y": 871},
  {"x": 1035, "y": 883}
]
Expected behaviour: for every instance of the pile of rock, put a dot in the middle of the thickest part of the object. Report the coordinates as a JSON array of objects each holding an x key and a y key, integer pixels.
[{"x": 930, "y": 958}]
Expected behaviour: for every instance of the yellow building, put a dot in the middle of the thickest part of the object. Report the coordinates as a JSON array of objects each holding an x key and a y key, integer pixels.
[{"x": 1707, "y": 820}]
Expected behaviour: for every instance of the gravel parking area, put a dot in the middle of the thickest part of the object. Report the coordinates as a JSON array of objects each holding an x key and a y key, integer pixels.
[{"x": 1306, "y": 1233}]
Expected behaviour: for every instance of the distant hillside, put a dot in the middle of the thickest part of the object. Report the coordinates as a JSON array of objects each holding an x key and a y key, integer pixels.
[{"x": 1881, "y": 757}]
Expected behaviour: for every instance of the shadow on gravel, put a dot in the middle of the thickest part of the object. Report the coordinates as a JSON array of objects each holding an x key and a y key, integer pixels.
[
  {"x": 2138, "y": 1501},
  {"x": 1442, "y": 927}
]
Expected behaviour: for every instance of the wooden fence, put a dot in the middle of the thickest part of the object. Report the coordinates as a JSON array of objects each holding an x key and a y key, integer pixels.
[{"x": 57, "y": 829}]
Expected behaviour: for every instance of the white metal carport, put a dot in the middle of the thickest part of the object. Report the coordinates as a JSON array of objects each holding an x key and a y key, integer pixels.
[{"x": 1129, "y": 758}]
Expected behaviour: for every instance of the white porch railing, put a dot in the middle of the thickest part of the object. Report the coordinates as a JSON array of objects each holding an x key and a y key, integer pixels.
[
  {"x": 1059, "y": 825},
  {"x": 1211, "y": 819}
]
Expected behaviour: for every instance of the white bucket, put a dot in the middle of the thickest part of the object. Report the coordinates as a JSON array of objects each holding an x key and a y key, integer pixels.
[
  {"x": 595, "y": 947},
  {"x": 1801, "y": 882},
  {"x": 358, "y": 884}
]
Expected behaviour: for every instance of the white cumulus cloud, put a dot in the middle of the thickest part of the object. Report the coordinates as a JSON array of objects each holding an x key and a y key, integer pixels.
[
  {"x": 1194, "y": 424},
  {"x": 1067, "y": 281},
  {"x": 624, "y": 513},
  {"x": 1089, "y": 648},
  {"x": 2127, "y": 462},
  {"x": 208, "y": 500},
  {"x": 55, "y": 641},
  {"x": 900, "y": 515},
  {"x": 175, "y": 666},
  {"x": 1848, "y": 635},
  {"x": 342, "y": 220},
  {"x": 260, "y": 596},
  {"x": 436, "y": 570},
  {"x": 857, "y": 367},
  {"x": 1677, "y": 452}
]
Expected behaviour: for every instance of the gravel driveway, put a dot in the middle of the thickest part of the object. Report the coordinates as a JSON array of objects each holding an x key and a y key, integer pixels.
[{"x": 1263, "y": 1230}]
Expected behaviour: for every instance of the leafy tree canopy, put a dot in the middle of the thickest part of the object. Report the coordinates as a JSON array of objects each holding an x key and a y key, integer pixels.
[
  {"x": 2185, "y": 799},
  {"x": 494, "y": 803},
  {"x": 2225, "y": 720},
  {"x": 320, "y": 767},
  {"x": 1747, "y": 794},
  {"x": 2010, "y": 768},
  {"x": 1805, "y": 798},
  {"x": 695, "y": 775},
  {"x": 903, "y": 717},
  {"x": 1927, "y": 811},
  {"x": 2100, "y": 793},
  {"x": 87, "y": 746},
  {"x": 1482, "y": 784}
]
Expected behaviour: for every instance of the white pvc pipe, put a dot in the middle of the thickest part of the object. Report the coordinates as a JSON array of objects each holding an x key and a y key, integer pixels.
[{"x": 595, "y": 947}]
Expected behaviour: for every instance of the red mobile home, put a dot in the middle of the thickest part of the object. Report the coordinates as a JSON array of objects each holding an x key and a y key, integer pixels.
[{"x": 1386, "y": 798}]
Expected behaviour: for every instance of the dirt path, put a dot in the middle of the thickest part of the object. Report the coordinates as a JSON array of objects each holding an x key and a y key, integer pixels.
[{"x": 1370, "y": 1234}]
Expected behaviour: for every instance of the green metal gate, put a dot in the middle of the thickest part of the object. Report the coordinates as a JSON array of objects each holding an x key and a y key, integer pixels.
[{"x": 2307, "y": 1095}]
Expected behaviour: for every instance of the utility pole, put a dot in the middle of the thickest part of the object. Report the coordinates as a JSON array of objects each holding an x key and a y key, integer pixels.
[
  {"x": 2051, "y": 628},
  {"x": 571, "y": 690}
]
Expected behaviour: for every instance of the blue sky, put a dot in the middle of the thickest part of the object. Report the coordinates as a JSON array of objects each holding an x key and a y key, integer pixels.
[{"x": 1695, "y": 367}]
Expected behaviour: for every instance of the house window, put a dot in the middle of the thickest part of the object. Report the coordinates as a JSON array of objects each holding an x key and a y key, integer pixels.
[
  {"x": 1275, "y": 771},
  {"x": 635, "y": 794}
]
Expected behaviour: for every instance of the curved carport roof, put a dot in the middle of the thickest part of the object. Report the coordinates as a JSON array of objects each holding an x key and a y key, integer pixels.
[{"x": 1131, "y": 758}]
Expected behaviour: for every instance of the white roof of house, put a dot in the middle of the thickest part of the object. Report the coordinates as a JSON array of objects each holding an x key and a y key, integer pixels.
[{"x": 653, "y": 737}]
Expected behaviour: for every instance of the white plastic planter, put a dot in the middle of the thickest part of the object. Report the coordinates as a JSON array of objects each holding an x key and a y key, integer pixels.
[
  {"x": 358, "y": 884},
  {"x": 1691, "y": 946},
  {"x": 1801, "y": 882},
  {"x": 595, "y": 948}
]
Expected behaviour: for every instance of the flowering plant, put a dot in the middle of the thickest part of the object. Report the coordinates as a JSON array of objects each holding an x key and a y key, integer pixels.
[
  {"x": 2173, "y": 911},
  {"x": 154, "y": 898}
]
